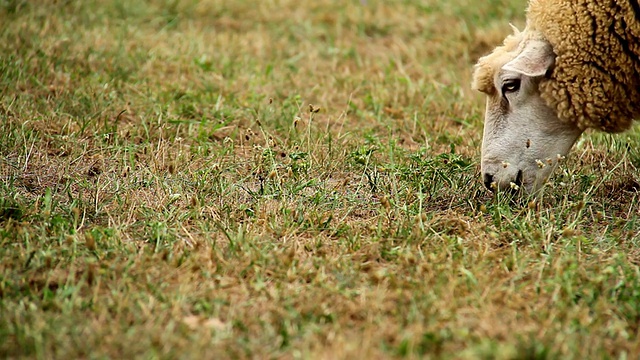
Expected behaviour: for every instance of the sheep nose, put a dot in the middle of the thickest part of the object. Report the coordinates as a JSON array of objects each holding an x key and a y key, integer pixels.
[{"x": 488, "y": 180}]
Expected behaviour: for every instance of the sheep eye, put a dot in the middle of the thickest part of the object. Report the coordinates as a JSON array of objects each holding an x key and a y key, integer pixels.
[{"x": 510, "y": 86}]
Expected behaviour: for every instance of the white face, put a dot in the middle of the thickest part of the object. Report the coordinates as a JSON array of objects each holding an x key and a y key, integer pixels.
[{"x": 523, "y": 138}]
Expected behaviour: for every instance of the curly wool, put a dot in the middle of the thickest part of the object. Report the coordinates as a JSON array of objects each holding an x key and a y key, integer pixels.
[
  {"x": 486, "y": 67},
  {"x": 595, "y": 82}
]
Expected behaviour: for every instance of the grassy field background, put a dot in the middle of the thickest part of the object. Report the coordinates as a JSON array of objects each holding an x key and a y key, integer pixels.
[{"x": 287, "y": 179}]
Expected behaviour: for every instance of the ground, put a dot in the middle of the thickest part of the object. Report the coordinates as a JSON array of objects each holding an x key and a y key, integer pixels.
[{"x": 287, "y": 179}]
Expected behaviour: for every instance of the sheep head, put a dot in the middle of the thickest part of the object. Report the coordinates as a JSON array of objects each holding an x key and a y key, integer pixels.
[{"x": 523, "y": 137}]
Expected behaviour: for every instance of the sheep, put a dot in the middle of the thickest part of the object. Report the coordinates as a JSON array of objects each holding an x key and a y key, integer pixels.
[{"x": 575, "y": 66}]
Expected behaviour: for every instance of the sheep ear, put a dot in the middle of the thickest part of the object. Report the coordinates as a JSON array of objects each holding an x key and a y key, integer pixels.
[
  {"x": 515, "y": 30},
  {"x": 535, "y": 60}
]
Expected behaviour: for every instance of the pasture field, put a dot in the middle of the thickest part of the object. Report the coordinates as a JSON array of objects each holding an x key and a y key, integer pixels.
[{"x": 287, "y": 179}]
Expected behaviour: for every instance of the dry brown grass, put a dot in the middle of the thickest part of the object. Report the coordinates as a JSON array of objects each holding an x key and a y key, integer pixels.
[{"x": 280, "y": 179}]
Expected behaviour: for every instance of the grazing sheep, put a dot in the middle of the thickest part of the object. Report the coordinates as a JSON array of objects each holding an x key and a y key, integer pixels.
[{"x": 575, "y": 66}]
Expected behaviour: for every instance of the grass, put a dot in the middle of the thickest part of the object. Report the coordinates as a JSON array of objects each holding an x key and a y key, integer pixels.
[{"x": 280, "y": 179}]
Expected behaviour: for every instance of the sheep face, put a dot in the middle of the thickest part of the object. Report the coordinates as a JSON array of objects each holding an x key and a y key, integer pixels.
[{"x": 523, "y": 138}]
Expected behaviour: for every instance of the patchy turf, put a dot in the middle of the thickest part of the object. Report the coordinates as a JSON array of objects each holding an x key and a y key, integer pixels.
[{"x": 235, "y": 179}]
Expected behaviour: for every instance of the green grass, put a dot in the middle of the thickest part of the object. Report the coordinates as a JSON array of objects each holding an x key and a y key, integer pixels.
[{"x": 236, "y": 179}]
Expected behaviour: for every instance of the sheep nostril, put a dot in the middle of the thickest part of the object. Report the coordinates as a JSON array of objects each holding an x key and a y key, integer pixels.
[{"x": 488, "y": 181}]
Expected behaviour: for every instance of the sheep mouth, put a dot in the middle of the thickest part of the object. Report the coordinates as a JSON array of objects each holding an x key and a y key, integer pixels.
[{"x": 517, "y": 183}]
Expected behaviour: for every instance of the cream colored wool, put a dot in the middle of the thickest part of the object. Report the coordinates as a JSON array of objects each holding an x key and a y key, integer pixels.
[{"x": 595, "y": 82}]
